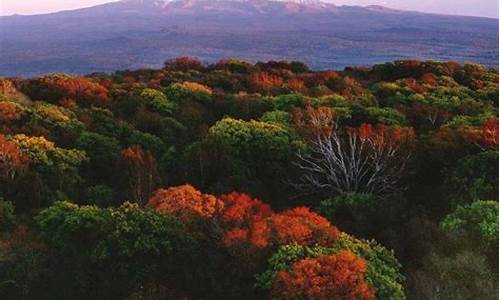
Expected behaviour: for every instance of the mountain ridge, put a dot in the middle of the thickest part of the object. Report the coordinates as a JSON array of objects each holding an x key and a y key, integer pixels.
[{"x": 136, "y": 34}]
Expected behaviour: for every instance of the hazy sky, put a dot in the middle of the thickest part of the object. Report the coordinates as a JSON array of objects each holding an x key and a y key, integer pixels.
[{"x": 487, "y": 8}]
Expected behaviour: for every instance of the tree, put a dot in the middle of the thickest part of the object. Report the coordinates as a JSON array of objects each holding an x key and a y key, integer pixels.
[
  {"x": 252, "y": 155},
  {"x": 388, "y": 116},
  {"x": 99, "y": 195},
  {"x": 186, "y": 203},
  {"x": 299, "y": 67},
  {"x": 298, "y": 225},
  {"x": 431, "y": 110},
  {"x": 355, "y": 213},
  {"x": 474, "y": 177},
  {"x": 181, "y": 92},
  {"x": 184, "y": 64},
  {"x": 11, "y": 112},
  {"x": 114, "y": 252},
  {"x": 233, "y": 65},
  {"x": 9, "y": 91},
  {"x": 103, "y": 153},
  {"x": 368, "y": 159},
  {"x": 52, "y": 168},
  {"x": 142, "y": 176},
  {"x": 56, "y": 87},
  {"x": 340, "y": 276},
  {"x": 12, "y": 160},
  {"x": 241, "y": 210},
  {"x": 265, "y": 82},
  {"x": 314, "y": 122},
  {"x": 157, "y": 101},
  {"x": 61, "y": 123},
  {"x": 486, "y": 135},
  {"x": 478, "y": 221},
  {"x": 383, "y": 271},
  {"x": 288, "y": 101},
  {"x": 296, "y": 85}
]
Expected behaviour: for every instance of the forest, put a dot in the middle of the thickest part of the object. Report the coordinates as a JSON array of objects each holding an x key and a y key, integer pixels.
[{"x": 239, "y": 180}]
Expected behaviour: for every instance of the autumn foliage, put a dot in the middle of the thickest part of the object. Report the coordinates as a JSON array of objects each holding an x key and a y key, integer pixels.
[
  {"x": 10, "y": 111},
  {"x": 196, "y": 88},
  {"x": 485, "y": 136},
  {"x": 12, "y": 159},
  {"x": 242, "y": 210},
  {"x": 265, "y": 82},
  {"x": 246, "y": 221},
  {"x": 313, "y": 122},
  {"x": 185, "y": 202},
  {"x": 55, "y": 88},
  {"x": 384, "y": 152},
  {"x": 302, "y": 226},
  {"x": 340, "y": 277},
  {"x": 250, "y": 222},
  {"x": 382, "y": 136},
  {"x": 489, "y": 134}
]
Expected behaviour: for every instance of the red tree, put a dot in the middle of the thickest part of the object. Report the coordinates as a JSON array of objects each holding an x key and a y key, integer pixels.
[
  {"x": 186, "y": 203},
  {"x": 298, "y": 225},
  {"x": 12, "y": 160},
  {"x": 241, "y": 210},
  {"x": 301, "y": 226},
  {"x": 265, "y": 82},
  {"x": 54, "y": 88},
  {"x": 296, "y": 85},
  {"x": 340, "y": 277},
  {"x": 430, "y": 79},
  {"x": 485, "y": 136},
  {"x": 10, "y": 112},
  {"x": 313, "y": 122}
]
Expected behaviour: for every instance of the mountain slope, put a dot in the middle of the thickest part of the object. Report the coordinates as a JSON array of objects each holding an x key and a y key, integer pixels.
[{"x": 143, "y": 33}]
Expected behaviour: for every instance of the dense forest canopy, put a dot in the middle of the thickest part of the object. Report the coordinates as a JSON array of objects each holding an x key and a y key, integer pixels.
[{"x": 251, "y": 181}]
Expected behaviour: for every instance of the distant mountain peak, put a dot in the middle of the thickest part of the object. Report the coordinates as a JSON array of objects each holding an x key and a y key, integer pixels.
[
  {"x": 232, "y": 7},
  {"x": 164, "y": 3},
  {"x": 131, "y": 34}
]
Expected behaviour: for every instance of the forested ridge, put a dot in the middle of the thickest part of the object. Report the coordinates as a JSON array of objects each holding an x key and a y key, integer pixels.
[{"x": 251, "y": 181}]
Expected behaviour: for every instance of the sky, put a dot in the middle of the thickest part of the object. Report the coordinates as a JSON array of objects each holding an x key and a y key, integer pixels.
[{"x": 485, "y": 8}]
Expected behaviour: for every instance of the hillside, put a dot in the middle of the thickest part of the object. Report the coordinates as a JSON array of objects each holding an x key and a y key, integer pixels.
[
  {"x": 236, "y": 180},
  {"x": 133, "y": 34}
]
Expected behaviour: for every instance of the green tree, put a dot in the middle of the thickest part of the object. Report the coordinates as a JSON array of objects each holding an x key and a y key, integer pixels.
[
  {"x": 157, "y": 101},
  {"x": 103, "y": 153},
  {"x": 52, "y": 169},
  {"x": 110, "y": 253},
  {"x": 383, "y": 273},
  {"x": 7, "y": 217},
  {"x": 478, "y": 220},
  {"x": 474, "y": 178}
]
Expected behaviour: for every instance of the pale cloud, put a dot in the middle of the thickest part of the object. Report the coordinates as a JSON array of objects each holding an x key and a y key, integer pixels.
[{"x": 29, "y": 7}]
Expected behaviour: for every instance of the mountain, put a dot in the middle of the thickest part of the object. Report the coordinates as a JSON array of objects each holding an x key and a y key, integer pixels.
[{"x": 144, "y": 33}]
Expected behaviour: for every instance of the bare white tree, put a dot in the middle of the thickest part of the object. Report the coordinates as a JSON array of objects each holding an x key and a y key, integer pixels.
[{"x": 368, "y": 159}]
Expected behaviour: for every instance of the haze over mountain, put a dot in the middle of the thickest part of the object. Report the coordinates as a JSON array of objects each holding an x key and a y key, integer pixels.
[{"x": 144, "y": 33}]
